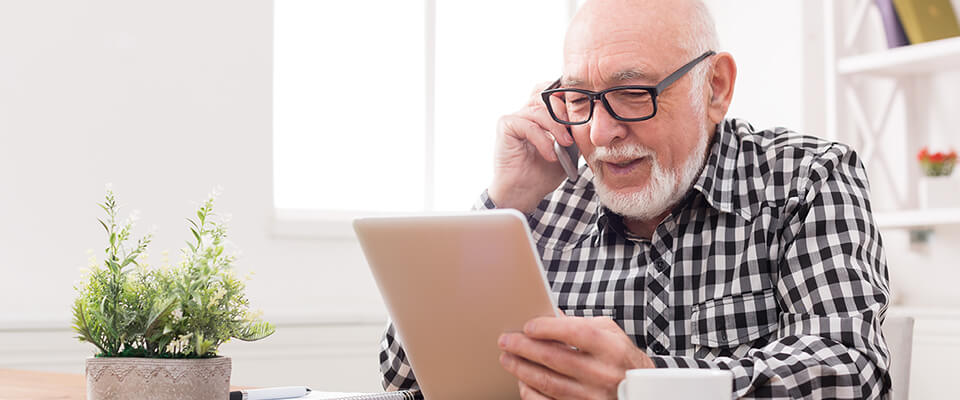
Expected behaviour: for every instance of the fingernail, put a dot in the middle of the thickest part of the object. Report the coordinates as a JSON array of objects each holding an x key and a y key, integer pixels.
[
  {"x": 503, "y": 341},
  {"x": 529, "y": 327},
  {"x": 504, "y": 359}
]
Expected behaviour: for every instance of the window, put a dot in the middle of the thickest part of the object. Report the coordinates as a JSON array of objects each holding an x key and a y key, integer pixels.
[
  {"x": 348, "y": 105},
  {"x": 392, "y": 106}
]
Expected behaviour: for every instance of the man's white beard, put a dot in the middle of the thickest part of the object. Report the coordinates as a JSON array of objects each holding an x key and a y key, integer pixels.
[{"x": 664, "y": 188}]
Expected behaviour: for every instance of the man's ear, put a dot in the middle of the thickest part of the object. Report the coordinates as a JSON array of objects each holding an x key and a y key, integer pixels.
[{"x": 721, "y": 81}]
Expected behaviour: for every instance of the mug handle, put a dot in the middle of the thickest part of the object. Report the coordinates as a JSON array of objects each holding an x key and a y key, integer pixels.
[{"x": 622, "y": 389}]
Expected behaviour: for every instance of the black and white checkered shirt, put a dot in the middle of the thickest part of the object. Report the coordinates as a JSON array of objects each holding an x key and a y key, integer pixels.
[{"x": 771, "y": 267}]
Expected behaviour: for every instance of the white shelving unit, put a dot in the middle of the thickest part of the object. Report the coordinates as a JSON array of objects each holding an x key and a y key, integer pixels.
[
  {"x": 918, "y": 218},
  {"x": 881, "y": 102},
  {"x": 846, "y": 66},
  {"x": 923, "y": 58}
]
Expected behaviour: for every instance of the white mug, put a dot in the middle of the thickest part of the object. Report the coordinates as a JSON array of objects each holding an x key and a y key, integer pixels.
[{"x": 676, "y": 384}]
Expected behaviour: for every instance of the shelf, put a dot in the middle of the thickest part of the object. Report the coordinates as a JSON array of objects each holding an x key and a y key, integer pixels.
[
  {"x": 925, "y": 218},
  {"x": 937, "y": 56},
  {"x": 925, "y": 312}
]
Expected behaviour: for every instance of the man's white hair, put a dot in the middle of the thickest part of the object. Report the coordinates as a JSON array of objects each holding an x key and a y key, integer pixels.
[{"x": 698, "y": 39}]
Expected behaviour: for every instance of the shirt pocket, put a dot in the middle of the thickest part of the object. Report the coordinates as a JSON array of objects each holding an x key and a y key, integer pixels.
[{"x": 733, "y": 323}]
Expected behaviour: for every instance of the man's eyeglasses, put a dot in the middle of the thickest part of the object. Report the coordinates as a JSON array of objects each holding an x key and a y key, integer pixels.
[{"x": 625, "y": 103}]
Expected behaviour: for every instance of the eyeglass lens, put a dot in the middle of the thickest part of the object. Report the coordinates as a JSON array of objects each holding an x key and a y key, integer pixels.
[{"x": 626, "y": 103}]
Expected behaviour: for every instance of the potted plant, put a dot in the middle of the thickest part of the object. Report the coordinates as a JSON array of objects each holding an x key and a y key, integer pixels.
[
  {"x": 937, "y": 188},
  {"x": 937, "y": 164},
  {"x": 157, "y": 331}
]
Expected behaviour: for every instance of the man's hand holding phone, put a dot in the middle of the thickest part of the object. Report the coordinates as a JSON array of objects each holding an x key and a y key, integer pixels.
[{"x": 526, "y": 164}]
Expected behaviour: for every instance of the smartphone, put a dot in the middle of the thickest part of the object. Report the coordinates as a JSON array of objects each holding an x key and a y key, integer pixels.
[{"x": 569, "y": 156}]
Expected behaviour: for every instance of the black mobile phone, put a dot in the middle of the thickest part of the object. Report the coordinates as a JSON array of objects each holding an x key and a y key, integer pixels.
[{"x": 569, "y": 156}]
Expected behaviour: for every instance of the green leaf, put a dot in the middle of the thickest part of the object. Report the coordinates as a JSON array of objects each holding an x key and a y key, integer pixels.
[
  {"x": 104, "y": 225},
  {"x": 255, "y": 331},
  {"x": 159, "y": 312},
  {"x": 201, "y": 345},
  {"x": 114, "y": 267},
  {"x": 81, "y": 327}
]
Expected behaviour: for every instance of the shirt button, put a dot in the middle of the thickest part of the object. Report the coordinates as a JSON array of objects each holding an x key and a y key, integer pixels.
[
  {"x": 660, "y": 265},
  {"x": 658, "y": 349},
  {"x": 723, "y": 336}
]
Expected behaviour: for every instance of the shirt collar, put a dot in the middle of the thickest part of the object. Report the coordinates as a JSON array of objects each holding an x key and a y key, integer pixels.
[{"x": 725, "y": 182}]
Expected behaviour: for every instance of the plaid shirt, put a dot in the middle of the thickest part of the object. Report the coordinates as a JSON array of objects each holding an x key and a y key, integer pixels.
[{"x": 771, "y": 267}]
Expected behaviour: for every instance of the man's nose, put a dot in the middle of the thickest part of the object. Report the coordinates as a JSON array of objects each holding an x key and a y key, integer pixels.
[{"x": 604, "y": 129}]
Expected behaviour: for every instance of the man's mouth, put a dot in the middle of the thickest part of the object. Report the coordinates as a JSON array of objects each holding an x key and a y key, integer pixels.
[{"x": 622, "y": 167}]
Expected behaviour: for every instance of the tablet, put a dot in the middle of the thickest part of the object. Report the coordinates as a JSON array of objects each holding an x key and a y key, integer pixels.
[{"x": 452, "y": 284}]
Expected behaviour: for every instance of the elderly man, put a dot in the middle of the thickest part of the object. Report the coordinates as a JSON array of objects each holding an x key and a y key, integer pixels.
[{"x": 706, "y": 243}]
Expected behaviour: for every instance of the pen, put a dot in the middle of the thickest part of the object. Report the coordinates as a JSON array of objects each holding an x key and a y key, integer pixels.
[{"x": 284, "y": 392}]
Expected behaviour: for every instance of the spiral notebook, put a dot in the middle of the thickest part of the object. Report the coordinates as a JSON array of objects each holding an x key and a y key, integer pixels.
[{"x": 399, "y": 395}]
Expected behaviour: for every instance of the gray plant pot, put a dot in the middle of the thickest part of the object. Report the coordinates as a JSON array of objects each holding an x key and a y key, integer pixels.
[{"x": 129, "y": 378}]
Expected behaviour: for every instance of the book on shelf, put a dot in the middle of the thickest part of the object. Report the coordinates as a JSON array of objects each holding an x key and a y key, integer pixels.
[
  {"x": 896, "y": 37},
  {"x": 927, "y": 20}
]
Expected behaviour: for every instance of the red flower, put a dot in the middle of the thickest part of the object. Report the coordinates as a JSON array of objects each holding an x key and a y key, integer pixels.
[{"x": 937, "y": 164}]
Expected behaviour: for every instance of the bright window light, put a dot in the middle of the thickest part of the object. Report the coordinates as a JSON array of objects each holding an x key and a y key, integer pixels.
[
  {"x": 350, "y": 95},
  {"x": 348, "y": 105},
  {"x": 490, "y": 55}
]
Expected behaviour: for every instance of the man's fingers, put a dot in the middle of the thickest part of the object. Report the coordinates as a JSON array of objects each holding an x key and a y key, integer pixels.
[
  {"x": 586, "y": 334},
  {"x": 541, "y": 116},
  {"x": 529, "y": 393},
  {"x": 559, "y": 357},
  {"x": 538, "y": 112},
  {"x": 526, "y": 130},
  {"x": 554, "y": 355},
  {"x": 541, "y": 379},
  {"x": 560, "y": 110}
]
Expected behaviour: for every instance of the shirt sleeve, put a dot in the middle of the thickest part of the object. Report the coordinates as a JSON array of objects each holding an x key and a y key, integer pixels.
[
  {"x": 396, "y": 370},
  {"x": 483, "y": 202},
  {"x": 832, "y": 292},
  {"x": 397, "y": 374}
]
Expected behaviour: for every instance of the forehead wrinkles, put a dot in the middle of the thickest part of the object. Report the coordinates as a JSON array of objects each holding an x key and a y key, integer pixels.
[{"x": 608, "y": 68}]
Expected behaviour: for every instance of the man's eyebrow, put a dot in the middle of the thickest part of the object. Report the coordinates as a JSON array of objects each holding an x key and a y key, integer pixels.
[
  {"x": 631, "y": 74},
  {"x": 567, "y": 82}
]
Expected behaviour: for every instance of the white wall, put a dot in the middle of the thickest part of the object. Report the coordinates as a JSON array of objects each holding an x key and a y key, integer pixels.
[
  {"x": 766, "y": 40},
  {"x": 166, "y": 100}
]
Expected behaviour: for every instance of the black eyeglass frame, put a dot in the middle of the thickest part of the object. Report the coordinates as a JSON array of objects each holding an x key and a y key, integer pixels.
[{"x": 654, "y": 91}]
